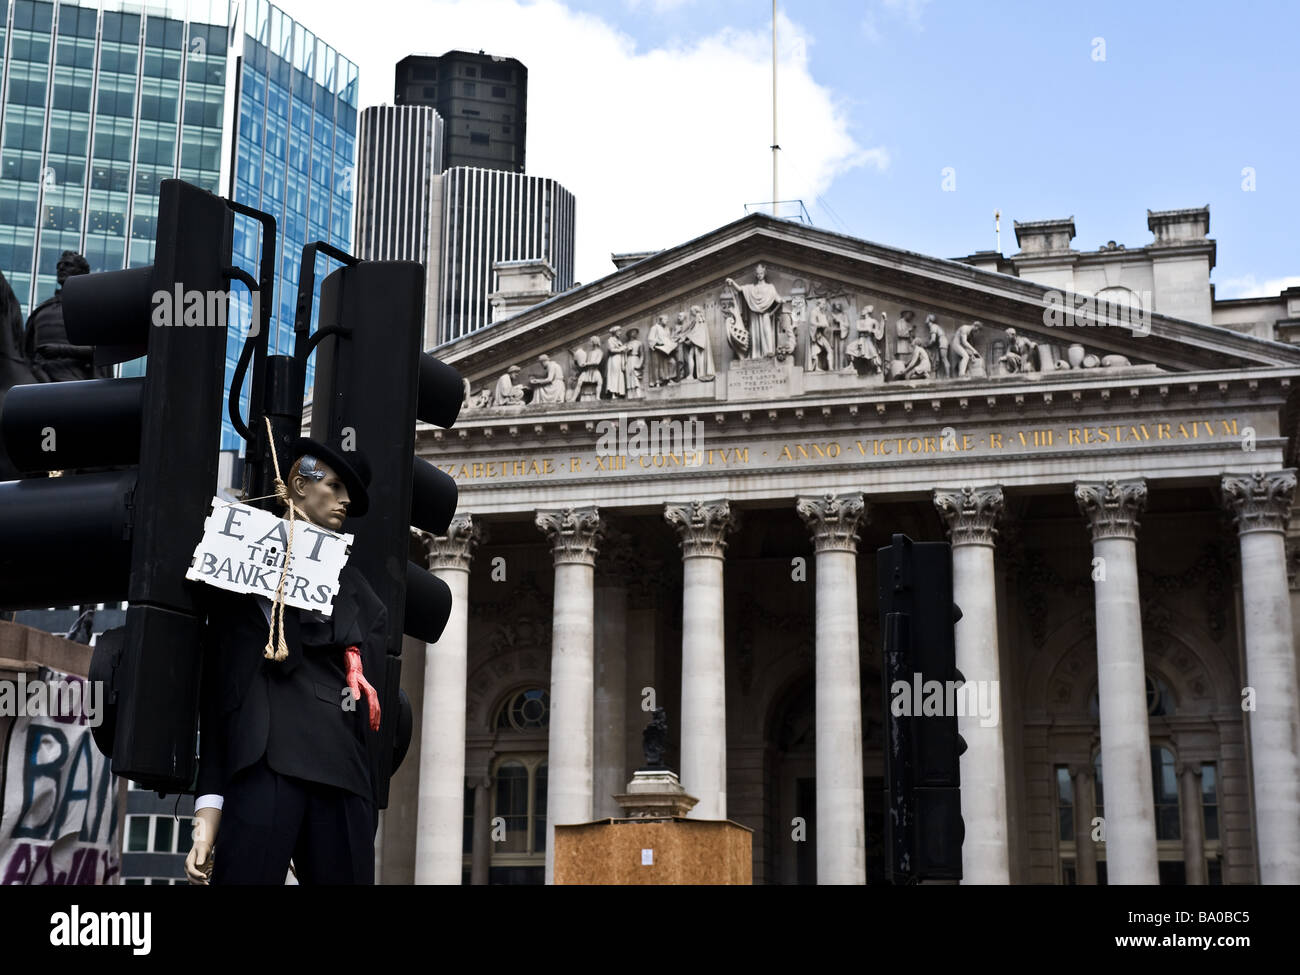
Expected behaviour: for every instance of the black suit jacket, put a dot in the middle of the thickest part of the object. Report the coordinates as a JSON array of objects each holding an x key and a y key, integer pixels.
[{"x": 291, "y": 711}]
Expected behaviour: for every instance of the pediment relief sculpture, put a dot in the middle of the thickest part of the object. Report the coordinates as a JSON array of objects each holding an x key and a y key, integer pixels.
[{"x": 834, "y": 335}]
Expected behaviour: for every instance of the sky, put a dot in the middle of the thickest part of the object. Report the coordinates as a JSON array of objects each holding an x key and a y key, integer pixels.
[{"x": 903, "y": 122}]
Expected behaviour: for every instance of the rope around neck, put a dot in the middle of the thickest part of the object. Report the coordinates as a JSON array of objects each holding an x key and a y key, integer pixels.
[{"x": 281, "y": 649}]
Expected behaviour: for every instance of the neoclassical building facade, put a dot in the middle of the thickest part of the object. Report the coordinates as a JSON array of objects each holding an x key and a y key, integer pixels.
[{"x": 673, "y": 482}]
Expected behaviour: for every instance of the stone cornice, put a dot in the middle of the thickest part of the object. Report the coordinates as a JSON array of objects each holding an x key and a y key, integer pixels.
[
  {"x": 702, "y": 526},
  {"x": 455, "y": 549},
  {"x": 978, "y": 399},
  {"x": 833, "y": 520},
  {"x": 970, "y": 513},
  {"x": 575, "y": 534},
  {"x": 1112, "y": 506},
  {"x": 1260, "y": 501}
]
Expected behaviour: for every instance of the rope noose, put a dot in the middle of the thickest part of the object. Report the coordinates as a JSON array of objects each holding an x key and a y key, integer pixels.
[{"x": 281, "y": 649}]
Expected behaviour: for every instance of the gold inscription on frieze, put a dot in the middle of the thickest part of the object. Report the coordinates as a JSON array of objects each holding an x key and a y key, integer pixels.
[{"x": 866, "y": 449}]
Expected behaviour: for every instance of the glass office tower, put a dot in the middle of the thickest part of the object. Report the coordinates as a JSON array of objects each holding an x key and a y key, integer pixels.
[
  {"x": 101, "y": 103},
  {"x": 294, "y": 155}
]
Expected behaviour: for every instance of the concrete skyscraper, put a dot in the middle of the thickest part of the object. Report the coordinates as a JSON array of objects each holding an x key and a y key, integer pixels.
[{"x": 482, "y": 99}]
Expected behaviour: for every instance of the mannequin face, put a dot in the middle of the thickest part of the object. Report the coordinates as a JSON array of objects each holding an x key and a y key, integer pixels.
[{"x": 324, "y": 502}]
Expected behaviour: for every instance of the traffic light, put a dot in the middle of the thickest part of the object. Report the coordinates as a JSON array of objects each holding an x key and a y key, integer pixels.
[
  {"x": 130, "y": 533},
  {"x": 372, "y": 384},
  {"x": 923, "y": 824}
]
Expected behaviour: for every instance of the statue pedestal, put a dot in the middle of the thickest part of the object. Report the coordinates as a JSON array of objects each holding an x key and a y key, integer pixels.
[
  {"x": 655, "y": 843},
  {"x": 654, "y": 851}
]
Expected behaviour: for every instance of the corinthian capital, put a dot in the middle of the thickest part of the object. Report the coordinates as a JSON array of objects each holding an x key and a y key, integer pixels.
[
  {"x": 702, "y": 526},
  {"x": 970, "y": 513},
  {"x": 1112, "y": 507},
  {"x": 455, "y": 549},
  {"x": 575, "y": 534},
  {"x": 833, "y": 520},
  {"x": 1259, "y": 502}
]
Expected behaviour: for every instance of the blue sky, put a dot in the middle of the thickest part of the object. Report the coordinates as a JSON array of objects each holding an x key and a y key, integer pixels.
[
  {"x": 656, "y": 113},
  {"x": 1010, "y": 96}
]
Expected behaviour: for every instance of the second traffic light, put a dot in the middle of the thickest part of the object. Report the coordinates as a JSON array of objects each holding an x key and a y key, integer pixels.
[
  {"x": 924, "y": 828},
  {"x": 372, "y": 384}
]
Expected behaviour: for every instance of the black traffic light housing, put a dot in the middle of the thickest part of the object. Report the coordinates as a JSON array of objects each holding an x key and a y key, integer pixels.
[
  {"x": 372, "y": 384},
  {"x": 923, "y": 824},
  {"x": 130, "y": 534}
]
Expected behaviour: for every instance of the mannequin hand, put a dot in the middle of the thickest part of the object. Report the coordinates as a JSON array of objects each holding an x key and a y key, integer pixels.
[
  {"x": 198, "y": 864},
  {"x": 357, "y": 683}
]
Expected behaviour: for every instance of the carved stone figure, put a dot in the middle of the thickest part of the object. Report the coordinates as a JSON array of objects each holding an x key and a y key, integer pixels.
[
  {"x": 663, "y": 349},
  {"x": 548, "y": 387},
  {"x": 964, "y": 350},
  {"x": 616, "y": 364},
  {"x": 819, "y": 344},
  {"x": 838, "y": 334},
  {"x": 936, "y": 341},
  {"x": 474, "y": 401},
  {"x": 918, "y": 366},
  {"x": 699, "y": 357},
  {"x": 733, "y": 324},
  {"x": 787, "y": 335},
  {"x": 635, "y": 359},
  {"x": 680, "y": 328},
  {"x": 1020, "y": 354},
  {"x": 764, "y": 304},
  {"x": 1115, "y": 361},
  {"x": 506, "y": 392},
  {"x": 902, "y": 344},
  {"x": 864, "y": 351},
  {"x": 591, "y": 381}
]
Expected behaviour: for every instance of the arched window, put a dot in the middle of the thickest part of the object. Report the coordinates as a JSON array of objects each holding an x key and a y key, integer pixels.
[{"x": 528, "y": 710}]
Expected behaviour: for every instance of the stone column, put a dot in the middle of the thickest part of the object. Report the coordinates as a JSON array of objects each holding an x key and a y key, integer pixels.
[
  {"x": 609, "y": 753},
  {"x": 702, "y": 527},
  {"x": 1261, "y": 504},
  {"x": 440, "y": 818},
  {"x": 575, "y": 535},
  {"x": 1085, "y": 808},
  {"x": 1112, "y": 509},
  {"x": 1189, "y": 799},
  {"x": 480, "y": 860},
  {"x": 840, "y": 830},
  {"x": 970, "y": 514}
]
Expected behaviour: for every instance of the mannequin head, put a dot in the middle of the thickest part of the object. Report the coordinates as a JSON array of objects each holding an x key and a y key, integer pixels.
[{"x": 318, "y": 492}]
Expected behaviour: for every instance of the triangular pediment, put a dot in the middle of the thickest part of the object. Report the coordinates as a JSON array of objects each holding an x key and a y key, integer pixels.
[{"x": 832, "y": 315}]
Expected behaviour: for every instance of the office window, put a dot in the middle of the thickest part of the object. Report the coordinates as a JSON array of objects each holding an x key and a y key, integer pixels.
[
  {"x": 498, "y": 91},
  {"x": 479, "y": 138},
  {"x": 469, "y": 88}
]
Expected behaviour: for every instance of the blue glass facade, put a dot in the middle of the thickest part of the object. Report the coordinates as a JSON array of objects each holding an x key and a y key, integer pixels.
[
  {"x": 99, "y": 105},
  {"x": 101, "y": 102},
  {"x": 295, "y": 150}
]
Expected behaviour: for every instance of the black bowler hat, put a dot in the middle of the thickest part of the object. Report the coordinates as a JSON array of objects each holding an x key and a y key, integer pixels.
[{"x": 350, "y": 465}]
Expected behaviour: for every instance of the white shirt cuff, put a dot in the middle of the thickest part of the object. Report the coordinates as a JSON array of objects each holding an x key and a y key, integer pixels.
[{"x": 209, "y": 801}]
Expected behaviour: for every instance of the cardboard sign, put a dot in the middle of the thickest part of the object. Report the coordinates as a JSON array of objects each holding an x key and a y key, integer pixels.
[{"x": 243, "y": 548}]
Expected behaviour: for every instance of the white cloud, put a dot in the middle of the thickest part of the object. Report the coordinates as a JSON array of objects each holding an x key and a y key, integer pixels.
[
  {"x": 909, "y": 11},
  {"x": 1247, "y": 286},
  {"x": 658, "y": 145}
]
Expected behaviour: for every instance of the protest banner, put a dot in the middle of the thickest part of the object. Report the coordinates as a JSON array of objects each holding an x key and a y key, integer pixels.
[{"x": 58, "y": 795}]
